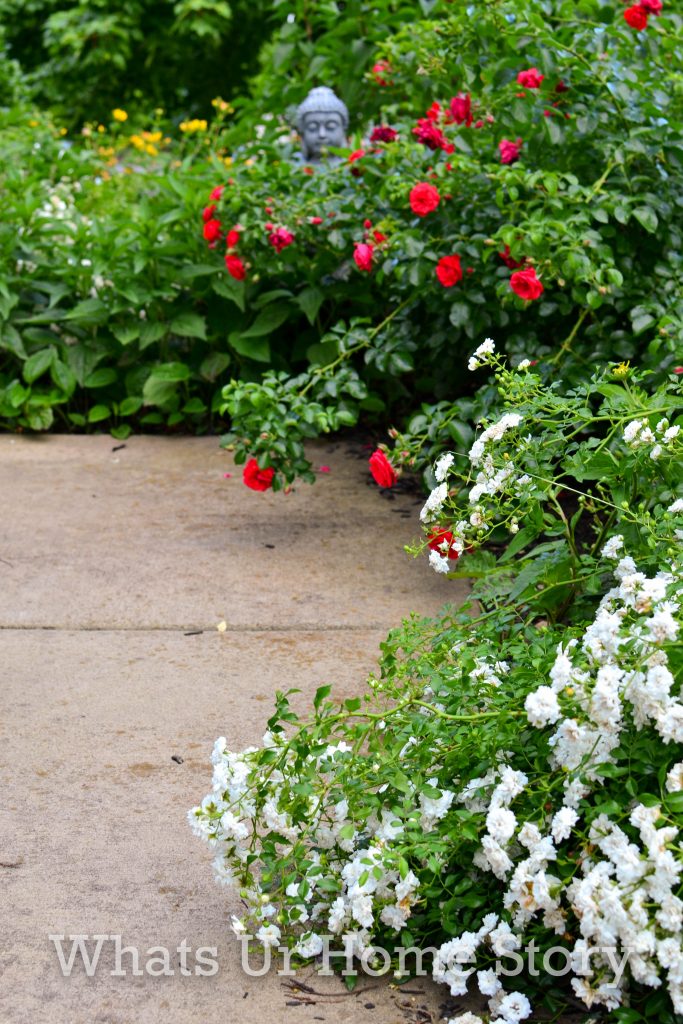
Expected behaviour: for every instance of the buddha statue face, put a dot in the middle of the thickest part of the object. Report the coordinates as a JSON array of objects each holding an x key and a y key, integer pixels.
[
  {"x": 321, "y": 128},
  {"x": 322, "y": 120}
]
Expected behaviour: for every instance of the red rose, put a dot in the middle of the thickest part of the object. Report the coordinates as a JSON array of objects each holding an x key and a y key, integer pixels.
[
  {"x": 379, "y": 70},
  {"x": 280, "y": 238},
  {"x": 652, "y": 6},
  {"x": 235, "y": 267},
  {"x": 309, "y": 170},
  {"x": 258, "y": 479},
  {"x": 316, "y": 220},
  {"x": 383, "y": 133},
  {"x": 508, "y": 260},
  {"x": 362, "y": 254},
  {"x": 561, "y": 87},
  {"x": 442, "y": 541},
  {"x": 208, "y": 212},
  {"x": 530, "y": 79},
  {"x": 379, "y": 236},
  {"x": 217, "y": 192},
  {"x": 212, "y": 230},
  {"x": 356, "y": 155},
  {"x": 423, "y": 199},
  {"x": 509, "y": 151},
  {"x": 636, "y": 17},
  {"x": 367, "y": 223},
  {"x": 434, "y": 112},
  {"x": 460, "y": 109},
  {"x": 426, "y": 132},
  {"x": 232, "y": 238},
  {"x": 449, "y": 271},
  {"x": 383, "y": 473},
  {"x": 525, "y": 284},
  {"x": 678, "y": 369}
]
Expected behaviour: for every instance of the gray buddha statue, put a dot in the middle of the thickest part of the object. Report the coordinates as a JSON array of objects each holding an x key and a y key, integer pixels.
[{"x": 322, "y": 120}]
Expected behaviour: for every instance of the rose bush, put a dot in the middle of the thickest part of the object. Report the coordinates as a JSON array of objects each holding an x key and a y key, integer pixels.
[{"x": 515, "y": 770}]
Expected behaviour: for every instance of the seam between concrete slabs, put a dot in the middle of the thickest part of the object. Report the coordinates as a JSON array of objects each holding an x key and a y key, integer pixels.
[{"x": 202, "y": 630}]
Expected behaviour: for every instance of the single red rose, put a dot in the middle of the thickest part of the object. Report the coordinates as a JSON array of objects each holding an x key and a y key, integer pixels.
[
  {"x": 636, "y": 17},
  {"x": 442, "y": 541},
  {"x": 258, "y": 479},
  {"x": 383, "y": 133},
  {"x": 356, "y": 155},
  {"x": 530, "y": 79},
  {"x": 509, "y": 151},
  {"x": 235, "y": 267},
  {"x": 316, "y": 220},
  {"x": 232, "y": 238},
  {"x": 379, "y": 237},
  {"x": 362, "y": 255},
  {"x": 449, "y": 271},
  {"x": 431, "y": 136},
  {"x": 280, "y": 238},
  {"x": 508, "y": 260},
  {"x": 561, "y": 87},
  {"x": 308, "y": 170},
  {"x": 678, "y": 369},
  {"x": 367, "y": 223},
  {"x": 525, "y": 284},
  {"x": 652, "y": 6},
  {"x": 212, "y": 230},
  {"x": 434, "y": 112},
  {"x": 217, "y": 192},
  {"x": 208, "y": 212},
  {"x": 460, "y": 109},
  {"x": 479, "y": 124},
  {"x": 383, "y": 473},
  {"x": 379, "y": 70},
  {"x": 424, "y": 198}
]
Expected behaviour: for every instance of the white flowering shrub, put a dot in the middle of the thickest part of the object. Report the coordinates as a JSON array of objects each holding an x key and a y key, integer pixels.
[{"x": 514, "y": 774}]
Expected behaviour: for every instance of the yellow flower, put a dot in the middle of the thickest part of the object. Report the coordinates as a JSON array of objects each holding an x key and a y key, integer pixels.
[
  {"x": 62, "y": 131},
  {"x": 33, "y": 124},
  {"x": 195, "y": 125},
  {"x": 228, "y": 161},
  {"x": 101, "y": 128},
  {"x": 151, "y": 150},
  {"x": 119, "y": 115},
  {"x": 622, "y": 370}
]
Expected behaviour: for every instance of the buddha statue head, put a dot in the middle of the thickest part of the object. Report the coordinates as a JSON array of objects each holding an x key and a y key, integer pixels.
[{"x": 322, "y": 120}]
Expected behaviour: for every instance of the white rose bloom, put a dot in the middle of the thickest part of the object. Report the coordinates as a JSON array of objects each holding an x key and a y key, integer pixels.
[
  {"x": 442, "y": 467},
  {"x": 268, "y": 935},
  {"x": 613, "y": 547},
  {"x": 677, "y": 506},
  {"x": 674, "y": 780},
  {"x": 309, "y": 945},
  {"x": 542, "y": 707},
  {"x": 514, "y": 1007},
  {"x": 562, "y": 823}
]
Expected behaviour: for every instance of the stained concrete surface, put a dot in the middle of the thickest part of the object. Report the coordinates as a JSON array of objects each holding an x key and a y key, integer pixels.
[{"x": 115, "y": 569}]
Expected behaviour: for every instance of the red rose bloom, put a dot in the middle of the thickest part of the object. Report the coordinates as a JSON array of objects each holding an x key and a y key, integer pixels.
[
  {"x": 460, "y": 109},
  {"x": 383, "y": 473},
  {"x": 442, "y": 541},
  {"x": 652, "y": 6},
  {"x": 356, "y": 155},
  {"x": 430, "y": 135},
  {"x": 217, "y": 192},
  {"x": 449, "y": 271},
  {"x": 235, "y": 267},
  {"x": 383, "y": 133},
  {"x": 636, "y": 17},
  {"x": 258, "y": 479},
  {"x": 379, "y": 236},
  {"x": 208, "y": 212},
  {"x": 424, "y": 198},
  {"x": 379, "y": 70},
  {"x": 232, "y": 238},
  {"x": 508, "y": 260},
  {"x": 509, "y": 151},
  {"x": 561, "y": 87},
  {"x": 212, "y": 231},
  {"x": 525, "y": 284},
  {"x": 362, "y": 254},
  {"x": 280, "y": 238},
  {"x": 316, "y": 220},
  {"x": 678, "y": 369},
  {"x": 530, "y": 79}
]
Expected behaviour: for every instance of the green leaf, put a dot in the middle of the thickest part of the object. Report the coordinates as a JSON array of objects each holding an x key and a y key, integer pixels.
[
  {"x": 172, "y": 372},
  {"x": 10, "y": 341},
  {"x": 129, "y": 406},
  {"x": 257, "y": 349},
  {"x": 101, "y": 378},
  {"x": 268, "y": 320},
  {"x": 231, "y": 289},
  {"x": 646, "y": 216},
  {"x": 121, "y": 432},
  {"x": 98, "y": 413},
  {"x": 90, "y": 312},
  {"x": 158, "y": 392},
  {"x": 40, "y": 419},
  {"x": 36, "y": 365},
  {"x": 151, "y": 332},
  {"x": 63, "y": 376},
  {"x": 126, "y": 333},
  {"x": 459, "y": 314},
  {"x": 189, "y": 325},
  {"x": 214, "y": 364},
  {"x": 310, "y": 301}
]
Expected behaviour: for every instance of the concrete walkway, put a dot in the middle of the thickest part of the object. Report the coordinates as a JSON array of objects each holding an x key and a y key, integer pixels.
[{"x": 116, "y": 567}]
